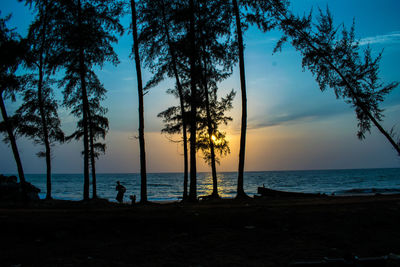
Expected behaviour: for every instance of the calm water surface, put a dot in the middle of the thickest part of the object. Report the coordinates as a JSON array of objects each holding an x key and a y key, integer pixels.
[{"x": 169, "y": 186}]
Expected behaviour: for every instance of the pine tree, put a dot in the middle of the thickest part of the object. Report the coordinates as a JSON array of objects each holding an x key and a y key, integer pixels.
[
  {"x": 217, "y": 52},
  {"x": 86, "y": 30},
  {"x": 161, "y": 36},
  {"x": 143, "y": 174},
  {"x": 242, "y": 149},
  {"x": 39, "y": 117},
  {"x": 98, "y": 123},
  {"x": 336, "y": 61}
]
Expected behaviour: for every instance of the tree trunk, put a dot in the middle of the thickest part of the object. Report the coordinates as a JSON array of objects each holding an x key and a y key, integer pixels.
[
  {"x": 182, "y": 106},
  {"x": 193, "y": 107},
  {"x": 143, "y": 188},
  {"x": 45, "y": 131},
  {"x": 92, "y": 158},
  {"x": 85, "y": 108},
  {"x": 240, "y": 188},
  {"x": 210, "y": 132},
  {"x": 12, "y": 141},
  {"x": 41, "y": 109}
]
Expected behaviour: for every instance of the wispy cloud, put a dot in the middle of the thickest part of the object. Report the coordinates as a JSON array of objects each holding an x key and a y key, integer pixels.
[
  {"x": 266, "y": 41},
  {"x": 390, "y": 38},
  {"x": 297, "y": 116},
  {"x": 131, "y": 78}
]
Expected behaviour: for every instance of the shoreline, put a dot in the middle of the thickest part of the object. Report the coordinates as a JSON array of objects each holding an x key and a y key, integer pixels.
[{"x": 355, "y": 192}]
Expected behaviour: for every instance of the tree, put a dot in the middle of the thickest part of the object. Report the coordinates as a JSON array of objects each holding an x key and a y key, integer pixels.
[
  {"x": 213, "y": 143},
  {"x": 261, "y": 14},
  {"x": 12, "y": 51},
  {"x": 39, "y": 118},
  {"x": 173, "y": 125},
  {"x": 337, "y": 62},
  {"x": 217, "y": 56},
  {"x": 86, "y": 30},
  {"x": 98, "y": 123},
  {"x": 242, "y": 148},
  {"x": 30, "y": 123},
  {"x": 143, "y": 187},
  {"x": 193, "y": 101},
  {"x": 160, "y": 44}
]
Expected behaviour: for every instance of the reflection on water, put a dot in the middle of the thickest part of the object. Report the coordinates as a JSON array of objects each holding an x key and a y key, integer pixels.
[{"x": 226, "y": 185}]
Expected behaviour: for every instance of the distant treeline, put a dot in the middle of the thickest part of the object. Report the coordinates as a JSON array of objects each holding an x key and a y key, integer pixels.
[{"x": 195, "y": 43}]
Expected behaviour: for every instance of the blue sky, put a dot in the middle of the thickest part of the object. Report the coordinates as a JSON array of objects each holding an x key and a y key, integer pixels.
[{"x": 292, "y": 124}]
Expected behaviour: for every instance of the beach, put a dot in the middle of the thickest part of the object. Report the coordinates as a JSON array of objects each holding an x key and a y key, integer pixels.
[{"x": 255, "y": 232}]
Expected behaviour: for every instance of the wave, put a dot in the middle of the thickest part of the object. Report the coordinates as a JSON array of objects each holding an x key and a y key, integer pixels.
[
  {"x": 159, "y": 185},
  {"x": 368, "y": 191}
]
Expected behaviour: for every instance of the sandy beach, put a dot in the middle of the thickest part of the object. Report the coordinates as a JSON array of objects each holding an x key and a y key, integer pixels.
[{"x": 264, "y": 232}]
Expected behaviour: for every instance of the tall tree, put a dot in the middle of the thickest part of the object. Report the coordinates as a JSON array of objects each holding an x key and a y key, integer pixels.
[
  {"x": 30, "y": 122},
  {"x": 217, "y": 52},
  {"x": 214, "y": 144},
  {"x": 98, "y": 123},
  {"x": 86, "y": 31},
  {"x": 39, "y": 111},
  {"x": 160, "y": 36},
  {"x": 143, "y": 187},
  {"x": 242, "y": 148},
  {"x": 261, "y": 14},
  {"x": 193, "y": 101},
  {"x": 12, "y": 51}
]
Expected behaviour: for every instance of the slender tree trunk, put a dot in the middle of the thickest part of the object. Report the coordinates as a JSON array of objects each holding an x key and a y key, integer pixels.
[
  {"x": 85, "y": 135},
  {"x": 12, "y": 141},
  {"x": 182, "y": 105},
  {"x": 92, "y": 158},
  {"x": 85, "y": 108},
  {"x": 240, "y": 188},
  {"x": 45, "y": 131},
  {"x": 212, "y": 150},
  {"x": 193, "y": 106},
  {"x": 210, "y": 127},
  {"x": 210, "y": 133},
  {"x": 143, "y": 188},
  {"x": 41, "y": 109}
]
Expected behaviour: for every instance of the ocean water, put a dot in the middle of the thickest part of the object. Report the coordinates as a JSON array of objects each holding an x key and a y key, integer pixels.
[{"x": 169, "y": 186}]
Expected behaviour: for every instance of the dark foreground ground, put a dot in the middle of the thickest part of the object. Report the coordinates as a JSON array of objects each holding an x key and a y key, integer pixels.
[{"x": 270, "y": 232}]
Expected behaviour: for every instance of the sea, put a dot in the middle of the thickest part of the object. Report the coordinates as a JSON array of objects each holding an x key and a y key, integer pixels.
[{"x": 169, "y": 186}]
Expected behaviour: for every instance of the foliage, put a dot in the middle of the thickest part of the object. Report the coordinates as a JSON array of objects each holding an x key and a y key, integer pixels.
[
  {"x": 12, "y": 51},
  {"x": 335, "y": 58}
]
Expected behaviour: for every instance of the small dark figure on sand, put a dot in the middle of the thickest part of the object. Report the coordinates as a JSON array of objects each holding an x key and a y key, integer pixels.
[
  {"x": 133, "y": 199},
  {"x": 121, "y": 191}
]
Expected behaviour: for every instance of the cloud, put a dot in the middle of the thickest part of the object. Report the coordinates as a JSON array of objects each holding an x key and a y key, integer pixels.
[
  {"x": 390, "y": 38},
  {"x": 298, "y": 116}
]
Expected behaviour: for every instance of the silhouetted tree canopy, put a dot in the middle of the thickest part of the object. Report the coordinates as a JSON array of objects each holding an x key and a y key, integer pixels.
[
  {"x": 334, "y": 57},
  {"x": 12, "y": 52}
]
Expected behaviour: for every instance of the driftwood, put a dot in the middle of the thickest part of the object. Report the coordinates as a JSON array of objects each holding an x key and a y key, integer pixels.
[
  {"x": 389, "y": 260},
  {"x": 266, "y": 192}
]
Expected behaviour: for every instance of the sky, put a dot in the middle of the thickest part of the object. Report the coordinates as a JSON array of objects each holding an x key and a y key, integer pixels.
[{"x": 292, "y": 125}]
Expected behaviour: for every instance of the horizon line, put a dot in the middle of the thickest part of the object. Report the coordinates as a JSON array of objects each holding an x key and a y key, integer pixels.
[{"x": 171, "y": 172}]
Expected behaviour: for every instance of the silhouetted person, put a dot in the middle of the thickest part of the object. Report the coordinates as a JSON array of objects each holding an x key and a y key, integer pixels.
[
  {"x": 133, "y": 199},
  {"x": 121, "y": 191}
]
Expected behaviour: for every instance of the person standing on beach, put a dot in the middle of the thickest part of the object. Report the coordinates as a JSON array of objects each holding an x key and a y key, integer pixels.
[{"x": 121, "y": 191}]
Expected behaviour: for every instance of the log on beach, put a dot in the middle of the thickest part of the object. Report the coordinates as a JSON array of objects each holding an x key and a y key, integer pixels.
[{"x": 266, "y": 192}]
